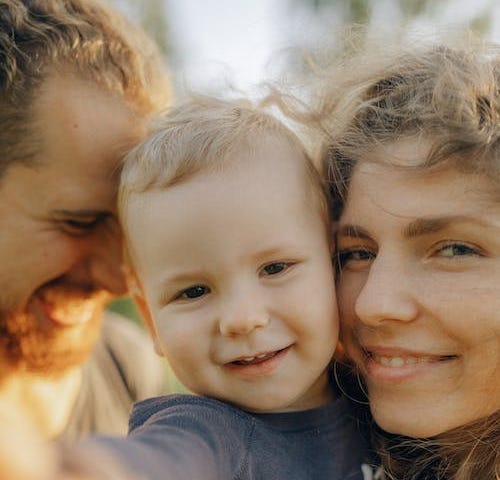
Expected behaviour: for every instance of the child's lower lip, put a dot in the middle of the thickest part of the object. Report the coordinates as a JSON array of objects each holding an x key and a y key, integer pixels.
[{"x": 260, "y": 368}]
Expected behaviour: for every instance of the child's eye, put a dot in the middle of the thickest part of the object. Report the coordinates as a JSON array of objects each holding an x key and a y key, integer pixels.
[
  {"x": 358, "y": 256},
  {"x": 452, "y": 250},
  {"x": 275, "y": 268},
  {"x": 195, "y": 291}
]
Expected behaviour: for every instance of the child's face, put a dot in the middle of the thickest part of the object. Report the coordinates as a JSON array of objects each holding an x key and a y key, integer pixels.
[{"x": 236, "y": 271}]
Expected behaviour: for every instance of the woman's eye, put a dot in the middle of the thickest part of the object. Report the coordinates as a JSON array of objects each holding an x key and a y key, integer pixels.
[
  {"x": 275, "y": 268},
  {"x": 195, "y": 291},
  {"x": 359, "y": 255},
  {"x": 456, "y": 250}
]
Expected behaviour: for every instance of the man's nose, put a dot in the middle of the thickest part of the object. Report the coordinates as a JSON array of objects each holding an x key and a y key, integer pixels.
[
  {"x": 100, "y": 266},
  {"x": 106, "y": 273}
]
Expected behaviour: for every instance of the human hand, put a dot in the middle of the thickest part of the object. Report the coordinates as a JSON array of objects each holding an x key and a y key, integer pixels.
[{"x": 24, "y": 453}]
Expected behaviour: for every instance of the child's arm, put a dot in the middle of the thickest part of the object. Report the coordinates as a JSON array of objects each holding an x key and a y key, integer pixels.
[
  {"x": 195, "y": 439},
  {"x": 91, "y": 464}
]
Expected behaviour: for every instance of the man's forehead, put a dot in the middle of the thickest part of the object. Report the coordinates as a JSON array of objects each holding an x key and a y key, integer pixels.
[{"x": 91, "y": 128}]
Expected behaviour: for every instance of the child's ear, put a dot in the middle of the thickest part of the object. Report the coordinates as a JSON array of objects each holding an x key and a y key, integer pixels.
[{"x": 137, "y": 293}]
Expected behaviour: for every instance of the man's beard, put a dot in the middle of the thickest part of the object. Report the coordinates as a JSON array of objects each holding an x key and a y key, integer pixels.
[{"x": 51, "y": 351}]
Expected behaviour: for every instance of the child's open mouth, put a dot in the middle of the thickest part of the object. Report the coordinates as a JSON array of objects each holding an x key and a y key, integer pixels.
[{"x": 257, "y": 358}]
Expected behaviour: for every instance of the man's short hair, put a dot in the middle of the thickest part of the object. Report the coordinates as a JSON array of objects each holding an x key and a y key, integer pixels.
[{"x": 79, "y": 37}]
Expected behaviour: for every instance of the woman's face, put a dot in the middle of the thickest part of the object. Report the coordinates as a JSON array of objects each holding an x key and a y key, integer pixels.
[{"x": 420, "y": 293}]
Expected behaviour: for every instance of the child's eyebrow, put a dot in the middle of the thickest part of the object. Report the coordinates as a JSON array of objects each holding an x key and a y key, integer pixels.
[
  {"x": 274, "y": 251},
  {"x": 182, "y": 277},
  {"x": 286, "y": 251}
]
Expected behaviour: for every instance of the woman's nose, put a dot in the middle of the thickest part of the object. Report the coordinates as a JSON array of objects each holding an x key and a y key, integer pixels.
[{"x": 388, "y": 293}]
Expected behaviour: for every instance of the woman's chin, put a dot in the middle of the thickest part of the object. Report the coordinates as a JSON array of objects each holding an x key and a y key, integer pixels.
[
  {"x": 407, "y": 429},
  {"x": 414, "y": 421}
]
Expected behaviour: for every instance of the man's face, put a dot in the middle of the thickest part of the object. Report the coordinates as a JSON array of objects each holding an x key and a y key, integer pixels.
[{"x": 59, "y": 242}]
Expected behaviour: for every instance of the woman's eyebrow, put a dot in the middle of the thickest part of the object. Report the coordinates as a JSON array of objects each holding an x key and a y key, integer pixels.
[
  {"x": 354, "y": 231},
  {"x": 416, "y": 228},
  {"x": 426, "y": 226}
]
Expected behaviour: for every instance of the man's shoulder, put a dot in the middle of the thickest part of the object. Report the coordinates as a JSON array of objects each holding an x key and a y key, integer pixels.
[
  {"x": 127, "y": 348},
  {"x": 120, "y": 333},
  {"x": 121, "y": 370}
]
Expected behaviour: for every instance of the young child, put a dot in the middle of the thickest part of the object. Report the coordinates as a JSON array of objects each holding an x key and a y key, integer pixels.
[{"x": 228, "y": 236}]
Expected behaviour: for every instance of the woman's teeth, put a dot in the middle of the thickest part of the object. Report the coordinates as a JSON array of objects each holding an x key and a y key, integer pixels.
[{"x": 402, "y": 361}]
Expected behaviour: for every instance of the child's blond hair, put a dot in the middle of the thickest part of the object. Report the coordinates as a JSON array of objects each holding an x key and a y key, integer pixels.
[{"x": 201, "y": 135}]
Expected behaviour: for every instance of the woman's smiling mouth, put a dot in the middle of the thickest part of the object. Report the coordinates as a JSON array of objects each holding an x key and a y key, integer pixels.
[
  {"x": 396, "y": 365},
  {"x": 402, "y": 360}
]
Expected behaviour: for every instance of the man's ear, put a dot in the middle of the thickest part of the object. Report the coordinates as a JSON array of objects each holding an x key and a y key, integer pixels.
[{"x": 137, "y": 293}]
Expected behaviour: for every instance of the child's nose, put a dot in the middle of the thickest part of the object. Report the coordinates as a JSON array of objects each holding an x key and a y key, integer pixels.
[{"x": 240, "y": 316}]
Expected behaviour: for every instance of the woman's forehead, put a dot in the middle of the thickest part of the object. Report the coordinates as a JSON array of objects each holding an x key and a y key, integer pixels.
[{"x": 409, "y": 192}]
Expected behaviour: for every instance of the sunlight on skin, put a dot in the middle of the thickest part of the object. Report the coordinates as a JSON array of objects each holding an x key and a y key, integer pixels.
[{"x": 24, "y": 453}]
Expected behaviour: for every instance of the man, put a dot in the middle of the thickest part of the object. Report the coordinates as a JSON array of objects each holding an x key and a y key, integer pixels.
[{"x": 77, "y": 83}]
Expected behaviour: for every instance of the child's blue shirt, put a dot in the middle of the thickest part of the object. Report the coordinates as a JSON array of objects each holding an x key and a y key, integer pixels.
[{"x": 197, "y": 438}]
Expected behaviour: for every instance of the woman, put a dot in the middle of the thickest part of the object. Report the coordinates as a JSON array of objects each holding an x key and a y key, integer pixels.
[{"x": 414, "y": 157}]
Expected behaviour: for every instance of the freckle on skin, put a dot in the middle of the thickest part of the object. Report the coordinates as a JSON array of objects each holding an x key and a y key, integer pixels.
[{"x": 75, "y": 125}]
